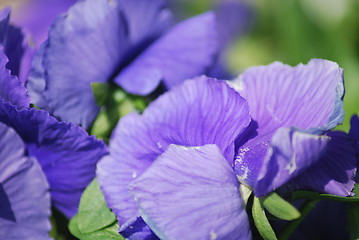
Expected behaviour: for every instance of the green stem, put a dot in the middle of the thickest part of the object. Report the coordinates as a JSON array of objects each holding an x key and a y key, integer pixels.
[{"x": 293, "y": 225}]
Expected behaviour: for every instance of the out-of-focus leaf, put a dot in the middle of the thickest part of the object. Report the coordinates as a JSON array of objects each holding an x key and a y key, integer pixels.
[
  {"x": 115, "y": 103},
  {"x": 279, "y": 207},
  {"x": 261, "y": 221},
  {"x": 101, "y": 92}
]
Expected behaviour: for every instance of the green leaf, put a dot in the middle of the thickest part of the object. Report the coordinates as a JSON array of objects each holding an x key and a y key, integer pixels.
[
  {"x": 279, "y": 207},
  {"x": 100, "y": 92},
  {"x": 109, "y": 232},
  {"x": 117, "y": 104},
  {"x": 93, "y": 212},
  {"x": 261, "y": 221},
  {"x": 318, "y": 196},
  {"x": 74, "y": 228}
]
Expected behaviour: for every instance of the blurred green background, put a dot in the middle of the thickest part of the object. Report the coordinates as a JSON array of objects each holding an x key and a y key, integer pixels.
[
  {"x": 294, "y": 31},
  {"x": 291, "y": 31}
]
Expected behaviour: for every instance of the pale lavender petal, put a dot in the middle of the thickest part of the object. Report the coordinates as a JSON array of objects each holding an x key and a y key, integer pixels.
[
  {"x": 36, "y": 81},
  {"x": 84, "y": 46},
  {"x": 186, "y": 51},
  {"x": 200, "y": 111},
  {"x": 147, "y": 20},
  {"x": 192, "y": 191},
  {"x": 24, "y": 196},
  {"x": 11, "y": 89},
  {"x": 66, "y": 153},
  {"x": 90, "y": 43},
  {"x": 36, "y": 16},
  {"x": 306, "y": 96},
  {"x": 234, "y": 18},
  {"x": 290, "y": 153},
  {"x": 335, "y": 171}
]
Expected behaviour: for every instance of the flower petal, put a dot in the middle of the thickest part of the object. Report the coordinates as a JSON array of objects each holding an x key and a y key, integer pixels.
[
  {"x": 36, "y": 84},
  {"x": 186, "y": 51},
  {"x": 25, "y": 201},
  {"x": 66, "y": 153},
  {"x": 36, "y": 16},
  {"x": 90, "y": 43},
  {"x": 4, "y": 23},
  {"x": 306, "y": 96},
  {"x": 334, "y": 172},
  {"x": 85, "y": 45},
  {"x": 196, "y": 189},
  {"x": 11, "y": 89},
  {"x": 16, "y": 47},
  {"x": 200, "y": 111},
  {"x": 291, "y": 152},
  {"x": 138, "y": 231},
  {"x": 147, "y": 20}
]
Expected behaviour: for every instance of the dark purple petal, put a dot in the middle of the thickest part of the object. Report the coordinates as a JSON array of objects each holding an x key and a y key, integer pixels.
[
  {"x": 15, "y": 50},
  {"x": 354, "y": 127},
  {"x": 4, "y": 23},
  {"x": 16, "y": 47},
  {"x": 194, "y": 191},
  {"x": 11, "y": 89},
  {"x": 290, "y": 153},
  {"x": 354, "y": 134},
  {"x": 138, "y": 230},
  {"x": 306, "y": 96},
  {"x": 186, "y": 51},
  {"x": 200, "y": 111},
  {"x": 24, "y": 196},
  {"x": 66, "y": 153},
  {"x": 334, "y": 172}
]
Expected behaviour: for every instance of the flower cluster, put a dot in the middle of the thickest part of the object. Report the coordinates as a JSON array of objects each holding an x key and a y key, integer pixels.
[{"x": 187, "y": 164}]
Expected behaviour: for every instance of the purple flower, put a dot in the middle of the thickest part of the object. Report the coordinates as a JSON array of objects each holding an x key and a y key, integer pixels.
[
  {"x": 11, "y": 90},
  {"x": 65, "y": 152},
  {"x": 16, "y": 46},
  {"x": 297, "y": 104},
  {"x": 36, "y": 16},
  {"x": 24, "y": 196},
  {"x": 128, "y": 42},
  {"x": 178, "y": 163}
]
